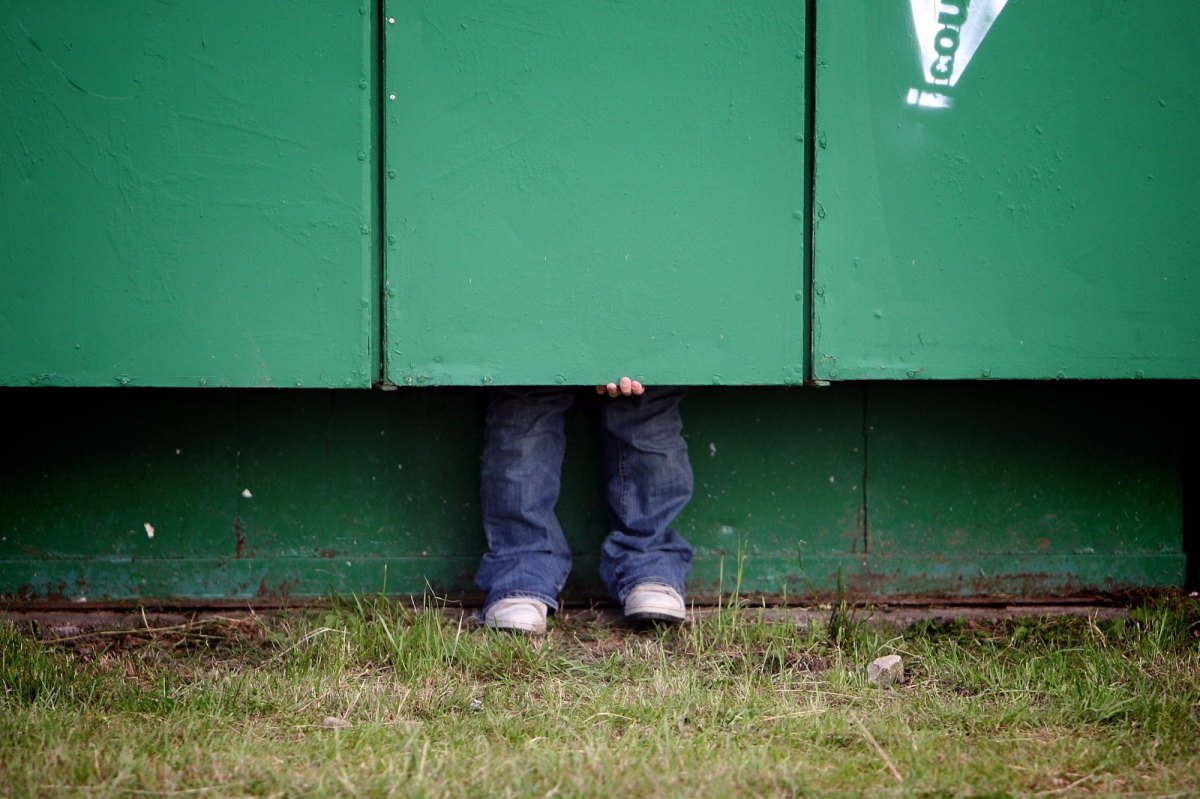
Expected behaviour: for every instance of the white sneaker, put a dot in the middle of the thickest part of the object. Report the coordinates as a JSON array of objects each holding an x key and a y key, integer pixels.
[
  {"x": 654, "y": 602},
  {"x": 517, "y": 614}
]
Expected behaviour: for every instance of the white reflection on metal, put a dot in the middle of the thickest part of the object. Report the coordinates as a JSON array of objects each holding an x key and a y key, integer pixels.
[{"x": 948, "y": 34}]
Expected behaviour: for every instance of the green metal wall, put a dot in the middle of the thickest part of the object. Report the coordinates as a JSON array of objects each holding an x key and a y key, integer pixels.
[
  {"x": 224, "y": 194},
  {"x": 187, "y": 194},
  {"x": 1042, "y": 223},
  {"x": 329, "y": 195},
  {"x": 958, "y": 490}
]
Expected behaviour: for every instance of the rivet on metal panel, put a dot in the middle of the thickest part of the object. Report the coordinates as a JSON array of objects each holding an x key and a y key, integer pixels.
[
  {"x": 487, "y": 380},
  {"x": 391, "y": 20},
  {"x": 362, "y": 84},
  {"x": 716, "y": 380},
  {"x": 362, "y": 156},
  {"x": 799, "y": 296},
  {"x": 204, "y": 381},
  {"x": 560, "y": 378},
  {"x": 987, "y": 372},
  {"x": 878, "y": 313},
  {"x": 392, "y": 238},
  {"x": 833, "y": 372},
  {"x": 391, "y": 97},
  {"x": 1139, "y": 373},
  {"x": 912, "y": 372},
  {"x": 391, "y": 173},
  {"x": 798, "y": 214},
  {"x": 364, "y": 229}
]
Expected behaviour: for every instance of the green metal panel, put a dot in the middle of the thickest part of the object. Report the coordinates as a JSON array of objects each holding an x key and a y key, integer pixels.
[
  {"x": 580, "y": 191},
  {"x": 1042, "y": 222},
  {"x": 186, "y": 193},
  {"x": 960, "y": 490},
  {"x": 982, "y": 489}
]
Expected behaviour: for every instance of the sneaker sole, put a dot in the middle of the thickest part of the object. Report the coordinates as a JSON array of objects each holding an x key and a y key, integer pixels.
[
  {"x": 660, "y": 616},
  {"x": 524, "y": 629}
]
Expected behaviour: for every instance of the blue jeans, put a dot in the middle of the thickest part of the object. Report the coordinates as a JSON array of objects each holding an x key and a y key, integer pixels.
[{"x": 648, "y": 481}]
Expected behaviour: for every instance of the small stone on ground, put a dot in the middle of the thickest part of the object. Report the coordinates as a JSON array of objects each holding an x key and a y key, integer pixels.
[{"x": 886, "y": 671}]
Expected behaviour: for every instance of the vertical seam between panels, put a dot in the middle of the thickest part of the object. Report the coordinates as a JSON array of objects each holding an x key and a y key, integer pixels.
[
  {"x": 866, "y": 464},
  {"x": 379, "y": 133},
  {"x": 810, "y": 126}
]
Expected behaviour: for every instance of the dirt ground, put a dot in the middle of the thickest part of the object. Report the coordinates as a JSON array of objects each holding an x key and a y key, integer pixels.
[{"x": 55, "y": 623}]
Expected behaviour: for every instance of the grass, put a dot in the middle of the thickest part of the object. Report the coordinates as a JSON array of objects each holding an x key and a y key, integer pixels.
[{"x": 375, "y": 698}]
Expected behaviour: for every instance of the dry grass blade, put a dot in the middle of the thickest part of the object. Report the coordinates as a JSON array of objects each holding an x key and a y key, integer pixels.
[{"x": 887, "y": 761}]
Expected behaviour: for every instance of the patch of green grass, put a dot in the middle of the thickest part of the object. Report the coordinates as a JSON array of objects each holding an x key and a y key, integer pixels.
[{"x": 380, "y": 698}]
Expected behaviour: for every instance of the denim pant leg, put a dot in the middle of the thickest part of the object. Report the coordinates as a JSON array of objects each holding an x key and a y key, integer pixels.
[
  {"x": 648, "y": 481},
  {"x": 523, "y": 450}
]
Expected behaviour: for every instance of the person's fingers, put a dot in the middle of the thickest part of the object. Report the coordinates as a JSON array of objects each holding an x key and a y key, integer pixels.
[{"x": 626, "y": 387}]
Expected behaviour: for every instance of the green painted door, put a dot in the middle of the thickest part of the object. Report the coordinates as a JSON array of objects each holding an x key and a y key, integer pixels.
[
  {"x": 576, "y": 191},
  {"x": 1006, "y": 189},
  {"x": 186, "y": 193}
]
